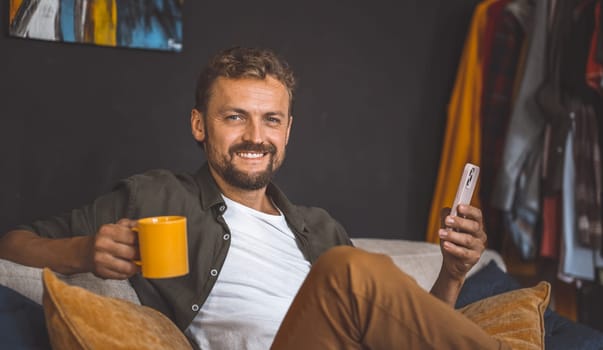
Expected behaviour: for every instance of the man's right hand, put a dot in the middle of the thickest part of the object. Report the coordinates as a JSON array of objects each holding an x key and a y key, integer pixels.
[{"x": 112, "y": 251}]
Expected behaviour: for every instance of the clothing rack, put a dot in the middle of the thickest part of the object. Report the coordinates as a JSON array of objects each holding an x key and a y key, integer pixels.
[{"x": 527, "y": 106}]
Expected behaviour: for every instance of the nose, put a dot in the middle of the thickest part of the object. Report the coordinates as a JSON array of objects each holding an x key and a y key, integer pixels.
[{"x": 254, "y": 131}]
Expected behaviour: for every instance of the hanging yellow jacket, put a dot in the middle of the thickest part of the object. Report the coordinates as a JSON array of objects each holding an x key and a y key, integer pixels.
[
  {"x": 14, "y": 7},
  {"x": 462, "y": 140}
]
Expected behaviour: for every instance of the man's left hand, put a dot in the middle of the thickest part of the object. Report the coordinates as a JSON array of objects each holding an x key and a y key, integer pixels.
[{"x": 462, "y": 241}]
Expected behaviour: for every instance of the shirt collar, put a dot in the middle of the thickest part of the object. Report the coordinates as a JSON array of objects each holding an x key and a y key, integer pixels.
[
  {"x": 211, "y": 196},
  {"x": 209, "y": 192},
  {"x": 289, "y": 209}
]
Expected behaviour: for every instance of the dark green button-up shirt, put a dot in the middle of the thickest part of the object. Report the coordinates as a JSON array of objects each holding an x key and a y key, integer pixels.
[{"x": 161, "y": 192}]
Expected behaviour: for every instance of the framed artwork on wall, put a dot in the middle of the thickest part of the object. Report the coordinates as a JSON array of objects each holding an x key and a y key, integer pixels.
[{"x": 141, "y": 24}]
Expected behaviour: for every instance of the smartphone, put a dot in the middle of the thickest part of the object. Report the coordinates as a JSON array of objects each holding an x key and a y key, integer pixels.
[{"x": 466, "y": 187}]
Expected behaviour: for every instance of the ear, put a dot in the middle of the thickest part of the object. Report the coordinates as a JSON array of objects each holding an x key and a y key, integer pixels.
[
  {"x": 289, "y": 129},
  {"x": 197, "y": 125}
]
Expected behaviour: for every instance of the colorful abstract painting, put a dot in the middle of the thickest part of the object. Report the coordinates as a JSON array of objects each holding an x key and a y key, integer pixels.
[{"x": 143, "y": 24}]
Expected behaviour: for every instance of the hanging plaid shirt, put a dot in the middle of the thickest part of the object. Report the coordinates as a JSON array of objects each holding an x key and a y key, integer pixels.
[{"x": 499, "y": 81}]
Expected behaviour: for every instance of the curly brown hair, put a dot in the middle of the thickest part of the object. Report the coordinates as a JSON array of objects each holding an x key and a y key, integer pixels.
[{"x": 239, "y": 62}]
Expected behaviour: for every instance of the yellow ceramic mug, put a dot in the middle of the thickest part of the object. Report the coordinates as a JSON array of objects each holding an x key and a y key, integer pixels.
[{"x": 163, "y": 246}]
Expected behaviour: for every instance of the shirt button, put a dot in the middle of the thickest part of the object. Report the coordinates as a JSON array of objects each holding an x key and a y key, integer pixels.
[
  {"x": 222, "y": 208},
  {"x": 226, "y": 236},
  {"x": 213, "y": 272},
  {"x": 195, "y": 307}
]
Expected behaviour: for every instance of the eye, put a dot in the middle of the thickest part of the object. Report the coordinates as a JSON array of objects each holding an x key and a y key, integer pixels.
[
  {"x": 273, "y": 120},
  {"x": 234, "y": 117}
]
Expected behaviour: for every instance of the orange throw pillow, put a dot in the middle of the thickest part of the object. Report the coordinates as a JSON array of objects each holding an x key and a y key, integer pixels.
[
  {"x": 515, "y": 317},
  {"x": 79, "y": 319}
]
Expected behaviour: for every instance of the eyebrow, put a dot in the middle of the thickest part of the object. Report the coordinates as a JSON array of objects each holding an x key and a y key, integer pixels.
[
  {"x": 233, "y": 109},
  {"x": 245, "y": 112}
]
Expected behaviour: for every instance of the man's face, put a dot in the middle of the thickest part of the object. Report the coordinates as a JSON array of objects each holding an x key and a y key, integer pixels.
[{"x": 245, "y": 131}]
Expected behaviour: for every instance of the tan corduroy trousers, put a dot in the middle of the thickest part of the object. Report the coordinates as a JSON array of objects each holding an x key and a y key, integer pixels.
[{"x": 353, "y": 299}]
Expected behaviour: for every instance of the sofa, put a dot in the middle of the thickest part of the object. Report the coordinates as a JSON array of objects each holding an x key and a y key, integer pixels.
[{"x": 23, "y": 325}]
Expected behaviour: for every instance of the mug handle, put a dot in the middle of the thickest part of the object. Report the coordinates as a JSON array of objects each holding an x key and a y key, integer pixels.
[{"x": 137, "y": 262}]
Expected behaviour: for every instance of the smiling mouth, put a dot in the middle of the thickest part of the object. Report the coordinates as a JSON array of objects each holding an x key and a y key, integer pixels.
[{"x": 251, "y": 155}]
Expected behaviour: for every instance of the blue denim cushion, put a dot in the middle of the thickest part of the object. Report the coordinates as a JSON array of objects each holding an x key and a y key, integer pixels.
[{"x": 22, "y": 324}]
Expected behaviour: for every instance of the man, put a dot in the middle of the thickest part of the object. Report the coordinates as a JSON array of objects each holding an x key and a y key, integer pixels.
[{"x": 250, "y": 249}]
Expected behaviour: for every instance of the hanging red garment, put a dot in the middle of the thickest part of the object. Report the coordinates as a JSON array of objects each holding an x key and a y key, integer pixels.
[
  {"x": 501, "y": 63},
  {"x": 493, "y": 18},
  {"x": 594, "y": 68}
]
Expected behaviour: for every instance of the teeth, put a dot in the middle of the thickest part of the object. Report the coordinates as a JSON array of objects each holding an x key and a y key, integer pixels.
[{"x": 250, "y": 155}]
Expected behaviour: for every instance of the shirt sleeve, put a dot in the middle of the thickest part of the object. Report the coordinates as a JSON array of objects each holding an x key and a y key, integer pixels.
[
  {"x": 108, "y": 208},
  {"x": 344, "y": 238}
]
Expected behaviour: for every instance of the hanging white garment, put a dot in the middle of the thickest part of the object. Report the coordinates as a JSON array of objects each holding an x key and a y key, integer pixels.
[{"x": 576, "y": 260}]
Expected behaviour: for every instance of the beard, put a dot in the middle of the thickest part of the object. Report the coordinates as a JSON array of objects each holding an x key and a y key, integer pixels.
[{"x": 226, "y": 168}]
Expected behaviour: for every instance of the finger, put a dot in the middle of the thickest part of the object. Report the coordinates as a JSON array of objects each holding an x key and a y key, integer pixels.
[
  {"x": 113, "y": 267},
  {"x": 119, "y": 233},
  {"x": 465, "y": 225},
  {"x": 127, "y": 222},
  {"x": 461, "y": 239},
  {"x": 470, "y": 212},
  {"x": 473, "y": 228},
  {"x": 109, "y": 245},
  {"x": 124, "y": 268},
  {"x": 110, "y": 274},
  {"x": 475, "y": 214},
  {"x": 467, "y": 256},
  {"x": 123, "y": 251},
  {"x": 444, "y": 212}
]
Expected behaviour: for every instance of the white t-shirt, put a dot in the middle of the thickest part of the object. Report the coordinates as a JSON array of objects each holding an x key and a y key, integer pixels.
[{"x": 261, "y": 275}]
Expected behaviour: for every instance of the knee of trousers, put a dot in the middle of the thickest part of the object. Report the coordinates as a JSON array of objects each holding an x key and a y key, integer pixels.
[
  {"x": 344, "y": 263},
  {"x": 345, "y": 256}
]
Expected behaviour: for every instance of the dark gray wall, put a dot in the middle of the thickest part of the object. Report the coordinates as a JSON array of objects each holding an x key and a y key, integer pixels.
[{"x": 374, "y": 81}]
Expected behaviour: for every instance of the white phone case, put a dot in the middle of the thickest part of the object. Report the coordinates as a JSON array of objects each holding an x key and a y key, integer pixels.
[{"x": 466, "y": 187}]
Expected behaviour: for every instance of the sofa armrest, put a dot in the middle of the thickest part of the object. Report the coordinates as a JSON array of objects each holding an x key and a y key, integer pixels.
[
  {"x": 28, "y": 282},
  {"x": 421, "y": 260}
]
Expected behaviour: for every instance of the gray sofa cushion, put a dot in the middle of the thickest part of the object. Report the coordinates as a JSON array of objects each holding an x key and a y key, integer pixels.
[
  {"x": 28, "y": 281},
  {"x": 421, "y": 260}
]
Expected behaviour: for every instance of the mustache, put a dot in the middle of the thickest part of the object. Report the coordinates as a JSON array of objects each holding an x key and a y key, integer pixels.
[{"x": 253, "y": 147}]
